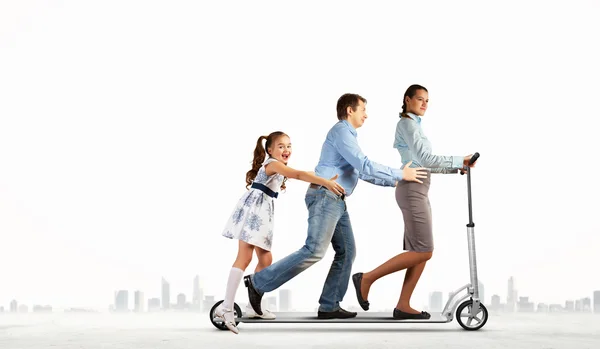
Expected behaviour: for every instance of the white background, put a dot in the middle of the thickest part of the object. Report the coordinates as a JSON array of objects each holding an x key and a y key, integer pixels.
[{"x": 126, "y": 129}]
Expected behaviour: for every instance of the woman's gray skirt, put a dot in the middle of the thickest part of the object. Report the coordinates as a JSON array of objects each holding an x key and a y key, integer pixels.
[{"x": 413, "y": 200}]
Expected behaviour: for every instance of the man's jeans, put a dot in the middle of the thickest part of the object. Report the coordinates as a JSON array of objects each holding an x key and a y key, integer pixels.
[{"x": 328, "y": 221}]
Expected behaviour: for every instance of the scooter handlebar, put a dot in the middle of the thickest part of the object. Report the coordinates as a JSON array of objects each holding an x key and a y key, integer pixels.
[{"x": 471, "y": 161}]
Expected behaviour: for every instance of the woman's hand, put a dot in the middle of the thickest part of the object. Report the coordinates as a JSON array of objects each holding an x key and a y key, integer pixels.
[{"x": 467, "y": 159}]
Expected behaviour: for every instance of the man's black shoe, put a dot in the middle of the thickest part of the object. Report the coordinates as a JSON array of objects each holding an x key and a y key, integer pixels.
[
  {"x": 253, "y": 296},
  {"x": 337, "y": 314}
]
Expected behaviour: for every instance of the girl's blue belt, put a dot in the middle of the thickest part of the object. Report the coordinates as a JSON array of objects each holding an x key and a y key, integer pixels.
[{"x": 265, "y": 189}]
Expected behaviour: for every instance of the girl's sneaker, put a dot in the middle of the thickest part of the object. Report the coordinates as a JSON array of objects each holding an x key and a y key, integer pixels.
[
  {"x": 227, "y": 316},
  {"x": 267, "y": 315}
]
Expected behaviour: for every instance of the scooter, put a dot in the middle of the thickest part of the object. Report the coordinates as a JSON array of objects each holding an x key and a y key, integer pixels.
[{"x": 471, "y": 314}]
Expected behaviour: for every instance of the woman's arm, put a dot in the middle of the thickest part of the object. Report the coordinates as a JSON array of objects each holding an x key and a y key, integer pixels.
[{"x": 408, "y": 130}]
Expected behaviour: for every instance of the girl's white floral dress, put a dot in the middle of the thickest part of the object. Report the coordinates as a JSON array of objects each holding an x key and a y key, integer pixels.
[{"x": 252, "y": 219}]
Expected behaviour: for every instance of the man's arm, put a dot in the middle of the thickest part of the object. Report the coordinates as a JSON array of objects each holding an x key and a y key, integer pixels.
[
  {"x": 377, "y": 181},
  {"x": 370, "y": 171}
]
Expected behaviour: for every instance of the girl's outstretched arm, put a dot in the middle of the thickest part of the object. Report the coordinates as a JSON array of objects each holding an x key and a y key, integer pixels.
[{"x": 306, "y": 176}]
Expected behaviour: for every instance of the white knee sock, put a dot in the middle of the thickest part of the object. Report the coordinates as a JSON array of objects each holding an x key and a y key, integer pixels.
[{"x": 235, "y": 276}]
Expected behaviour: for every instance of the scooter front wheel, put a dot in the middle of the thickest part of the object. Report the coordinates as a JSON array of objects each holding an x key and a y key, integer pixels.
[
  {"x": 218, "y": 323},
  {"x": 473, "y": 321}
]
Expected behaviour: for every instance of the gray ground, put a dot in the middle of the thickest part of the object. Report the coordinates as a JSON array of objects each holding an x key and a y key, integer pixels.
[{"x": 112, "y": 331}]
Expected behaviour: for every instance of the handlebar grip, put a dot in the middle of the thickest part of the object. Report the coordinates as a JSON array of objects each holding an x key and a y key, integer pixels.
[{"x": 471, "y": 161}]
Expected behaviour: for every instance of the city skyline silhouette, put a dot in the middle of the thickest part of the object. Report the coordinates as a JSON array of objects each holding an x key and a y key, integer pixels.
[{"x": 201, "y": 302}]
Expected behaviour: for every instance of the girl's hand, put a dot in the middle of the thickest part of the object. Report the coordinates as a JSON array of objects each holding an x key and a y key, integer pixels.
[{"x": 335, "y": 186}]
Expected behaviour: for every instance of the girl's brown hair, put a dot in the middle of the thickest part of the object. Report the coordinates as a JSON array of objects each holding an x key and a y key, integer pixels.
[{"x": 260, "y": 154}]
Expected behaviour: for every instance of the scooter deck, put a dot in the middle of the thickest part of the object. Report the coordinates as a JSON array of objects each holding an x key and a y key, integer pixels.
[{"x": 375, "y": 317}]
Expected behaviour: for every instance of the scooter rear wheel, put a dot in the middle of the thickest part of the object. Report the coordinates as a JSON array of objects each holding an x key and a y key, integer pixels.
[{"x": 237, "y": 312}]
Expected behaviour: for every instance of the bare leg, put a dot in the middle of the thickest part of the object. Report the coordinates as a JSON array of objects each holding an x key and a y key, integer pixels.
[
  {"x": 410, "y": 282},
  {"x": 265, "y": 258},
  {"x": 244, "y": 256},
  {"x": 402, "y": 261}
]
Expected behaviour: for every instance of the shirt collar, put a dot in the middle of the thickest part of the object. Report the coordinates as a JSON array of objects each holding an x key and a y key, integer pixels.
[{"x": 415, "y": 117}]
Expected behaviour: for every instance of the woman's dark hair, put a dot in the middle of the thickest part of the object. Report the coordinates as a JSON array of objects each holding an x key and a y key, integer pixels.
[{"x": 411, "y": 91}]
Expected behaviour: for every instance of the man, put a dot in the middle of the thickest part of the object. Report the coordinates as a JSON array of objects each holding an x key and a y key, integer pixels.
[{"x": 328, "y": 219}]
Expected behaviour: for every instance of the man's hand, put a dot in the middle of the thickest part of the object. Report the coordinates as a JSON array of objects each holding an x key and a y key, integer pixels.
[{"x": 412, "y": 174}]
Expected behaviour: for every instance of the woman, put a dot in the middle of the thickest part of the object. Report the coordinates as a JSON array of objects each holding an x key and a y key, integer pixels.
[{"x": 414, "y": 203}]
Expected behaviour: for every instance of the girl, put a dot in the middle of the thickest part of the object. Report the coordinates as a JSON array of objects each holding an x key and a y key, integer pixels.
[
  {"x": 413, "y": 145},
  {"x": 252, "y": 219}
]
